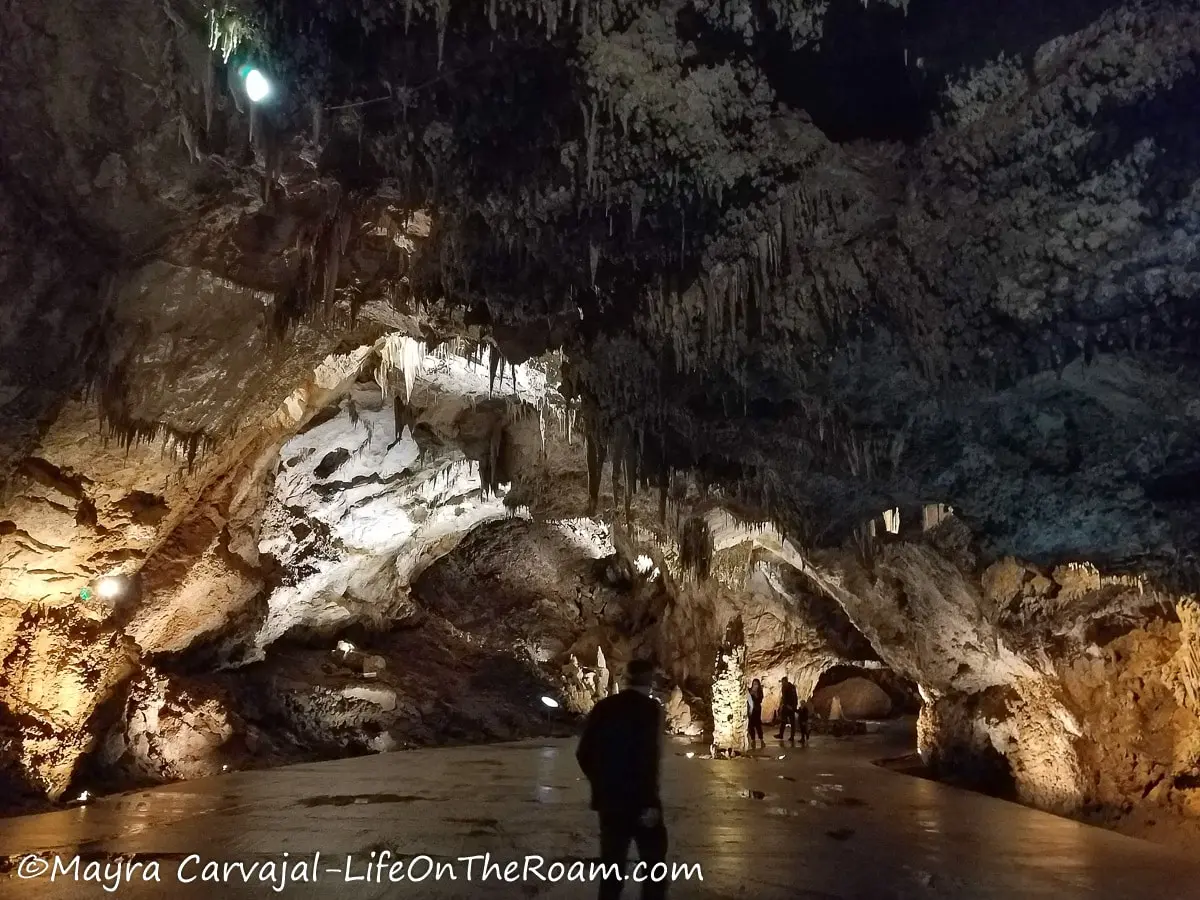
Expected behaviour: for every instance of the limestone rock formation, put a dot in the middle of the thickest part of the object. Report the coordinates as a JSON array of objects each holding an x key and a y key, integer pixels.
[
  {"x": 58, "y": 670},
  {"x": 729, "y": 692},
  {"x": 684, "y": 714},
  {"x": 857, "y": 698},
  {"x": 173, "y": 729}
]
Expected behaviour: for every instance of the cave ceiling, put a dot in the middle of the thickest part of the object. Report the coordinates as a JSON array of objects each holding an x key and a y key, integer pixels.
[{"x": 837, "y": 257}]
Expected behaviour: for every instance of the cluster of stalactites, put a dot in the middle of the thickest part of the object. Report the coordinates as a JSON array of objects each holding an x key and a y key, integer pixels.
[
  {"x": 713, "y": 321},
  {"x": 632, "y": 469},
  {"x": 185, "y": 445},
  {"x": 1102, "y": 580},
  {"x": 403, "y": 354},
  {"x": 321, "y": 245},
  {"x": 225, "y": 32},
  {"x": 550, "y": 14}
]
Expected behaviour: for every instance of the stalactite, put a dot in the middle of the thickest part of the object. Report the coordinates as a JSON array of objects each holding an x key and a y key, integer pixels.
[
  {"x": 210, "y": 78},
  {"x": 495, "y": 367},
  {"x": 696, "y": 547},
  {"x": 663, "y": 485},
  {"x": 542, "y": 425},
  {"x": 597, "y": 451},
  {"x": 442, "y": 16},
  {"x": 635, "y": 209}
]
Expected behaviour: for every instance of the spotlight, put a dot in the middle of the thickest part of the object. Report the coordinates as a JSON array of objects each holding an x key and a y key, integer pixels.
[
  {"x": 84, "y": 797},
  {"x": 344, "y": 647},
  {"x": 550, "y": 702},
  {"x": 690, "y": 754},
  {"x": 110, "y": 588},
  {"x": 258, "y": 86}
]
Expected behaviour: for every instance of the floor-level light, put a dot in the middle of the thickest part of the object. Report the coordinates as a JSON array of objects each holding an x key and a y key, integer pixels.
[{"x": 550, "y": 702}]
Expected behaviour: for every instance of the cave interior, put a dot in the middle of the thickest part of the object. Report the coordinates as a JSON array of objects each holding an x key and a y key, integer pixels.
[{"x": 391, "y": 374}]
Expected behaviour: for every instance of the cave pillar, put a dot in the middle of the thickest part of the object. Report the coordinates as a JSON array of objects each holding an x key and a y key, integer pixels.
[{"x": 730, "y": 719}]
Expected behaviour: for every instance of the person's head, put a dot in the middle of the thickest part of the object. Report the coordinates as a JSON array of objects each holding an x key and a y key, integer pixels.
[
  {"x": 640, "y": 673},
  {"x": 783, "y": 680},
  {"x": 756, "y": 683}
]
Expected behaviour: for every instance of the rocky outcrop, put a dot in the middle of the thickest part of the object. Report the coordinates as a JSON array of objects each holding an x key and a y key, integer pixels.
[
  {"x": 369, "y": 497},
  {"x": 58, "y": 671},
  {"x": 174, "y": 728},
  {"x": 686, "y": 716}
]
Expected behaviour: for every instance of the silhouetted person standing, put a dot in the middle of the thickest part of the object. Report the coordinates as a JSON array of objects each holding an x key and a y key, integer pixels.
[
  {"x": 787, "y": 708},
  {"x": 802, "y": 721},
  {"x": 619, "y": 753},
  {"x": 754, "y": 702}
]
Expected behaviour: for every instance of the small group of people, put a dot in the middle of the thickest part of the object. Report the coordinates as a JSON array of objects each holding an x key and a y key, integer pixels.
[{"x": 791, "y": 713}]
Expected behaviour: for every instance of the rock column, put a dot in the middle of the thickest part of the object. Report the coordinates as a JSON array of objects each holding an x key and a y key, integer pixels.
[{"x": 729, "y": 692}]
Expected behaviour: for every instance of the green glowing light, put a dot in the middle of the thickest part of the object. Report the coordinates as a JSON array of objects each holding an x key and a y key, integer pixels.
[{"x": 85, "y": 594}]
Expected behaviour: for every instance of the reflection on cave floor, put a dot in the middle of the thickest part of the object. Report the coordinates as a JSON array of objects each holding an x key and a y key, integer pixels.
[{"x": 828, "y": 824}]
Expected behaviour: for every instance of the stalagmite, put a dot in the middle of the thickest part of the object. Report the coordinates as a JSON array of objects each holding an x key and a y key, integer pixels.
[{"x": 729, "y": 692}]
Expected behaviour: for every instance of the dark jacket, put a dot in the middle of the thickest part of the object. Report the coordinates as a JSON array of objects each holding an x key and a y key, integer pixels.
[
  {"x": 620, "y": 750},
  {"x": 789, "y": 699}
]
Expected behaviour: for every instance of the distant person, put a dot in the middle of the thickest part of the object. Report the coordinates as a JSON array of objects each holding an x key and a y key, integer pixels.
[
  {"x": 620, "y": 753},
  {"x": 754, "y": 702},
  {"x": 787, "y": 708},
  {"x": 802, "y": 720}
]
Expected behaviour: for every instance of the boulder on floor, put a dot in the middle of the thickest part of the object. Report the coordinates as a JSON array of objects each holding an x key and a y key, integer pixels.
[{"x": 857, "y": 697}]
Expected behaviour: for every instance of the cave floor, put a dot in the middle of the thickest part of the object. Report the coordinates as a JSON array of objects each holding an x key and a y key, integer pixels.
[{"x": 829, "y": 825}]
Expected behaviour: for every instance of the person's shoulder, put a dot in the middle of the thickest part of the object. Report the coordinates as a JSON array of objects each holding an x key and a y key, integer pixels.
[{"x": 607, "y": 705}]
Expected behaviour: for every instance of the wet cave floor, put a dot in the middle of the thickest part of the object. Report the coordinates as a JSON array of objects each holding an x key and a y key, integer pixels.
[{"x": 822, "y": 822}]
